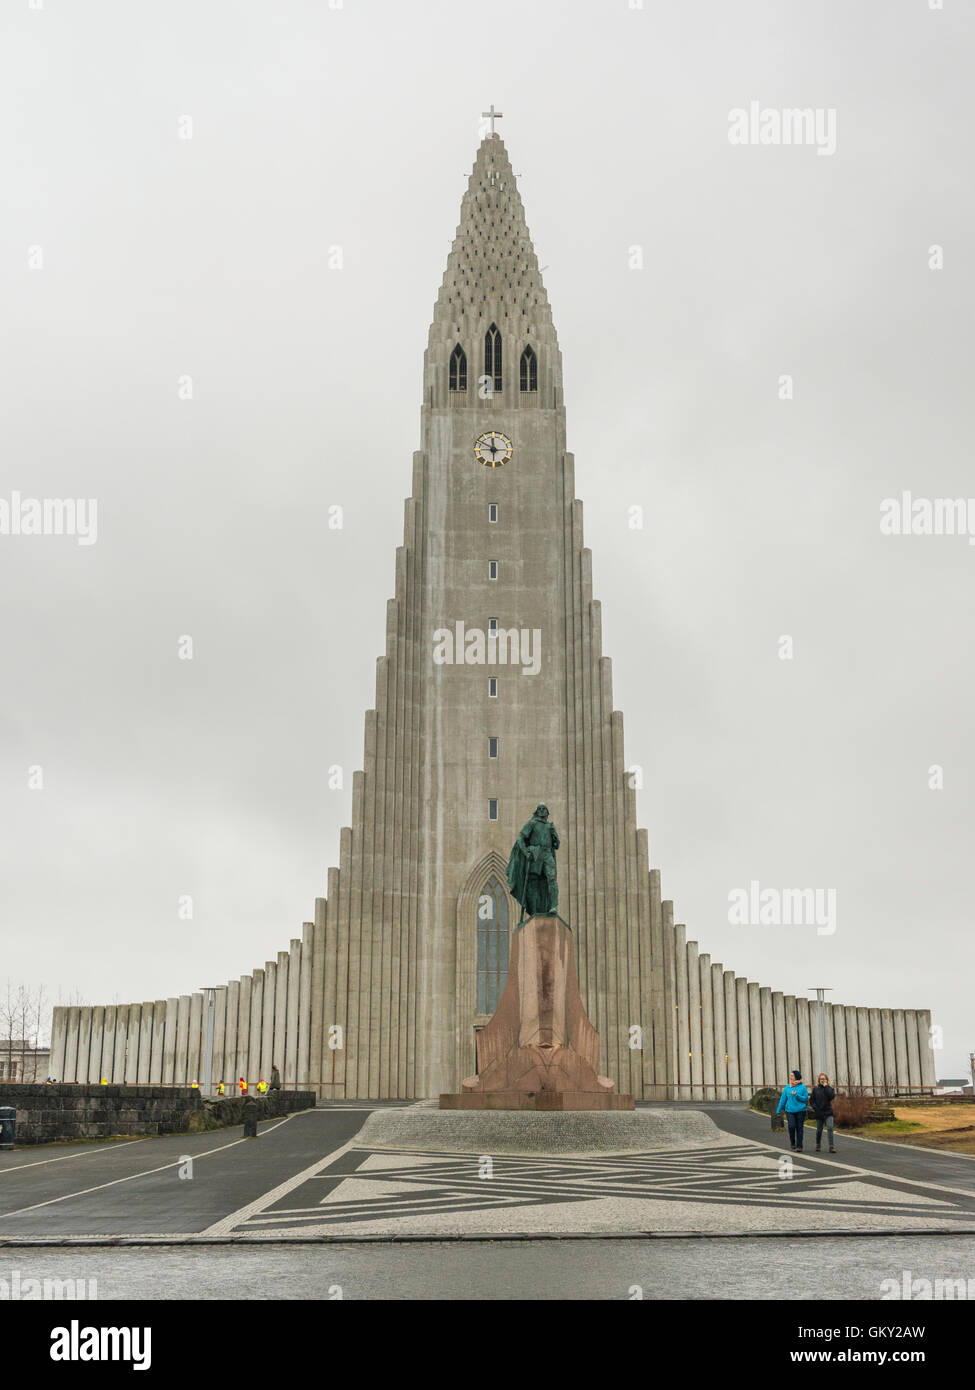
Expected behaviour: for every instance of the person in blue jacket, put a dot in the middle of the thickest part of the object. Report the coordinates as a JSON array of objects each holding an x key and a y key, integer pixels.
[{"x": 793, "y": 1101}]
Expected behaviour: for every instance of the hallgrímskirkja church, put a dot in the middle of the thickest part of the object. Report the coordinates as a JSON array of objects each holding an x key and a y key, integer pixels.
[{"x": 493, "y": 695}]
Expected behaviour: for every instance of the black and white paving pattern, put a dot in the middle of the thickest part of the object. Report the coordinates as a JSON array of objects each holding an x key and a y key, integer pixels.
[{"x": 315, "y": 1176}]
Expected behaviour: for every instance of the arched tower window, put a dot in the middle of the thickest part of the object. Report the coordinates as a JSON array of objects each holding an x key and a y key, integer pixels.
[
  {"x": 458, "y": 369},
  {"x": 492, "y": 945},
  {"x": 492, "y": 356},
  {"x": 529, "y": 370}
]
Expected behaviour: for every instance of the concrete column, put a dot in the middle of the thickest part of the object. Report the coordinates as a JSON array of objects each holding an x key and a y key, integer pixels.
[
  {"x": 158, "y": 1042},
  {"x": 780, "y": 1069},
  {"x": 876, "y": 1052},
  {"x": 280, "y": 1045},
  {"x": 108, "y": 1043},
  {"x": 744, "y": 1041},
  {"x": 683, "y": 1026},
  {"x": 429, "y": 969},
  {"x": 641, "y": 1059},
  {"x": 195, "y": 1039},
  {"x": 890, "y": 1055},
  {"x": 169, "y": 1042},
  {"x": 913, "y": 1048},
  {"x": 863, "y": 1038},
  {"x": 322, "y": 994},
  {"x": 292, "y": 1022},
  {"x": 755, "y": 1047},
  {"x": 145, "y": 1043},
  {"x": 332, "y": 918},
  {"x": 830, "y": 1048},
  {"x": 707, "y": 1025},
  {"x": 805, "y": 1042},
  {"x": 670, "y": 996},
  {"x": 181, "y": 1061},
  {"x": 219, "y": 1036},
  {"x": 820, "y": 1062},
  {"x": 658, "y": 1000},
  {"x": 731, "y": 1035},
  {"x": 720, "y": 1033},
  {"x": 900, "y": 1051},
  {"x": 852, "y": 1045},
  {"x": 768, "y": 1037},
  {"x": 694, "y": 1020},
  {"x": 84, "y": 1040},
  {"x": 360, "y": 1035},
  {"x": 791, "y": 1035},
  {"x": 132, "y": 1045},
  {"x": 267, "y": 1025},
  {"x": 929, "y": 1074},
  {"x": 256, "y": 1026},
  {"x": 121, "y": 1042},
  {"x": 306, "y": 971},
  {"x": 95, "y": 1044},
  {"x": 231, "y": 1037},
  {"x": 244, "y": 1026},
  {"x": 59, "y": 1038},
  {"x": 71, "y": 1033},
  {"x": 838, "y": 1019}
]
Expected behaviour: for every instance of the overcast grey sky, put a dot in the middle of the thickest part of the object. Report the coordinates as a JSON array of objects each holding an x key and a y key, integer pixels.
[{"x": 164, "y": 257}]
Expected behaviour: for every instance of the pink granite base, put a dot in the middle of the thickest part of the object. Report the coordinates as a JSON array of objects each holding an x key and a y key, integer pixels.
[
  {"x": 534, "y": 1100},
  {"x": 539, "y": 1051}
]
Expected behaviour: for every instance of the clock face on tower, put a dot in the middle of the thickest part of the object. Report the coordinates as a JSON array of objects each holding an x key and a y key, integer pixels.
[{"x": 493, "y": 448}]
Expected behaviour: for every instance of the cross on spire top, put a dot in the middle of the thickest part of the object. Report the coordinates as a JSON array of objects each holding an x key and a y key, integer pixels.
[{"x": 494, "y": 115}]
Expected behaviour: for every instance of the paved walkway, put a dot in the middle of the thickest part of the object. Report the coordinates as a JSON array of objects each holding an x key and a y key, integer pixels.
[
  {"x": 306, "y": 1177},
  {"x": 901, "y": 1160},
  {"x": 143, "y": 1186}
]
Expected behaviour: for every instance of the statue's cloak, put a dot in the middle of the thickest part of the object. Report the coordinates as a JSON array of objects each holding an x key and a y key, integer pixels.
[{"x": 519, "y": 867}]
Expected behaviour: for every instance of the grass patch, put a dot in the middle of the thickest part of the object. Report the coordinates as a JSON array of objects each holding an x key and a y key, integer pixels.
[
  {"x": 894, "y": 1127},
  {"x": 931, "y": 1127},
  {"x": 938, "y": 1117}
]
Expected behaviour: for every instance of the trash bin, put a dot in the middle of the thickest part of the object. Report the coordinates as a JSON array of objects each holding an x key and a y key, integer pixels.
[
  {"x": 8, "y": 1126},
  {"x": 250, "y": 1118}
]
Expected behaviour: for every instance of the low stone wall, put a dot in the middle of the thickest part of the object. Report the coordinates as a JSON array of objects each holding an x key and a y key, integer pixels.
[
  {"x": 218, "y": 1113},
  {"x": 48, "y": 1113}
]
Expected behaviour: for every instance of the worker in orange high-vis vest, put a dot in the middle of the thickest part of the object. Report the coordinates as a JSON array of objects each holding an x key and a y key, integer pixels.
[{"x": 243, "y": 1086}]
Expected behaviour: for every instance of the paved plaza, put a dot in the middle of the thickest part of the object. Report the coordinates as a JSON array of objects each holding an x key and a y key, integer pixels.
[{"x": 319, "y": 1175}]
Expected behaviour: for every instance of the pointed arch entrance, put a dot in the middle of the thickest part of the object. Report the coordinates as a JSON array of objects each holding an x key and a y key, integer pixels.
[{"x": 484, "y": 922}]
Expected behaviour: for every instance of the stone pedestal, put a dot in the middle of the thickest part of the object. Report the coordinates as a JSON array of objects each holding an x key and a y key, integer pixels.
[{"x": 539, "y": 1051}]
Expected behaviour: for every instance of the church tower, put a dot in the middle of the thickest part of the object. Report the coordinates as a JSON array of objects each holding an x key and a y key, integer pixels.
[{"x": 493, "y": 694}]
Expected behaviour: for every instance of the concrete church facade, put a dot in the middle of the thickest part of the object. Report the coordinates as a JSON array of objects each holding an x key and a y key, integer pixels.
[{"x": 493, "y": 694}]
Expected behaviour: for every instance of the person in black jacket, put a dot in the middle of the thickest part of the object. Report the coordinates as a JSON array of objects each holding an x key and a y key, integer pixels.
[{"x": 821, "y": 1100}]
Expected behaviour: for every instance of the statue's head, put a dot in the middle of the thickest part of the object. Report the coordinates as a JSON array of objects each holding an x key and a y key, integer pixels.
[{"x": 541, "y": 811}]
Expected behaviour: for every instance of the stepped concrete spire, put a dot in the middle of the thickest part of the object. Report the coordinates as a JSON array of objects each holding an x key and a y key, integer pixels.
[
  {"x": 493, "y": 694},
  {"x": 492, "y": 276}
]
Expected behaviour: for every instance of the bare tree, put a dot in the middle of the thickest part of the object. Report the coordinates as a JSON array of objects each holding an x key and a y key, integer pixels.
[{"x": 24, "y": 1011}]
